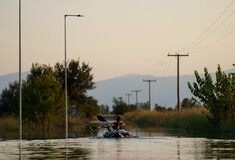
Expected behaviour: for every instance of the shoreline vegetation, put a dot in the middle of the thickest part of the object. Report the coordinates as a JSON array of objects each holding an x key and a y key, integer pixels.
[
  {"x": 209, "y": 113},
  {"x": 9, "y": 129},
  {"x": 190, "y": 121}
]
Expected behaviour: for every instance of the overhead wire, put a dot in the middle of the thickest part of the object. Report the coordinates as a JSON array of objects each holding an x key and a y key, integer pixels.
[
  {"x": 217, "y": 41},
  {"x": 208, "y": 35},
  {"x": 202, "y": 37},
  {"x": 164, "y": 66},
  {"x": 159, "y": 69},
  {"x": 198, "y": 40}
]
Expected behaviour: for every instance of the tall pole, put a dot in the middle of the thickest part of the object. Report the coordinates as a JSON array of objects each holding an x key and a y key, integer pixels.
[
  {"x": 128, "y": 95},
  {"x": 65, "y": 76},
  {"x": 65, "y": 81},
  {"x": 149, "y": 82},
  {"x": 20, "y": 78},
  {"x": 178, "y": 77},
  {"x": 136, "y": 94}
]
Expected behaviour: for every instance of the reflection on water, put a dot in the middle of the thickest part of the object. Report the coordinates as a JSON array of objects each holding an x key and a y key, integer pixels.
[{"x": 155, "y": 146}]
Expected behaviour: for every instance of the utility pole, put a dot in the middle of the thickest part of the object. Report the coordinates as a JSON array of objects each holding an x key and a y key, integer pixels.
[
  {"x": 136, "y": 93},
  {"x": 129, "y": 94},
  {"x": 178, "y": 77},
  {"x": 149, "y": 81}
]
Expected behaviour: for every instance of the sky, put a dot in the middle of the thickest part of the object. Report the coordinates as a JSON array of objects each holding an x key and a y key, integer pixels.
[{"x": 119, "y": 37}]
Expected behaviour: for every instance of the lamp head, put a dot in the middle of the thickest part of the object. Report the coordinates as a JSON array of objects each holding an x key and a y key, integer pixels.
[
  {"x": 79, "y": 15},
  {"x": 73, "y": 15}
]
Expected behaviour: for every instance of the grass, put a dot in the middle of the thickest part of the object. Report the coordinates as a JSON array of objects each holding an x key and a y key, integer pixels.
[
  {"x": 9, "y": 129},
  {"x": 192, "y": 120}
]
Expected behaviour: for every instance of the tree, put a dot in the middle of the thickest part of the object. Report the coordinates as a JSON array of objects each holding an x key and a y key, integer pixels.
[
  {"x": 43, "y": 93},
  {"x": 189, "y": 103},
  {"x": 43, "y": 97},
  {"x": 132, "y": 107},
  {"x": 88, "y": 106},
  {"x": 119, "y": 107},
  {"x": 79, "y": 81},
  {"x": 217, "y": 97},
  {"x": 144, "y": 106},
  {"x": 104, "y": 109},
  {"x": 9, "y": 99},
  {"x": 159, "y": 108}
]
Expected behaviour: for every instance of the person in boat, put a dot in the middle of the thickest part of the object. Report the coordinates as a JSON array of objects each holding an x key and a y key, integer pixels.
[{"x": 117, "y": 128}]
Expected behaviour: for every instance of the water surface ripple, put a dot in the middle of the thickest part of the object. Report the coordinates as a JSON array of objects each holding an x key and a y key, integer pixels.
[{"x": 133, "y": 148}]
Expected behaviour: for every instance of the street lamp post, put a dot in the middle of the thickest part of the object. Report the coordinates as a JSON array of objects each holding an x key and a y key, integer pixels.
[
  {"x": 65, "y": 74},
  {"x": 20, "y": 78}
]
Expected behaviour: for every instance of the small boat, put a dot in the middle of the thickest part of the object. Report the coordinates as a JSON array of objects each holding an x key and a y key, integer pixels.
[{"x": 116, "y": 135}]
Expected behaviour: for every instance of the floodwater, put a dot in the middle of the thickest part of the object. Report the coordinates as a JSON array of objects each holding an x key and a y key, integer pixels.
[{"x": 145, "y": 146}]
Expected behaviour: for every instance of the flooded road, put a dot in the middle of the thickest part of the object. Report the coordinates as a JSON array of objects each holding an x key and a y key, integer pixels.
[{"x": 142, "y": 147}]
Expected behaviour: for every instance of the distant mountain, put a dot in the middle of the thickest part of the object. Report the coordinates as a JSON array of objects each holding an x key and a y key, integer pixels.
[
  {"x": 163, "y": 91},
  {"x": 6, "y": 79}
]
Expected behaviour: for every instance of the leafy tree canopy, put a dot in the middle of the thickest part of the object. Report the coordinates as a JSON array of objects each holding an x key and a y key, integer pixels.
[
  {"x": 119, "y": 107},
  {"x": 79, "y": 81},
  {"x": 43, "y": 93},
  {"x": 218, "y": 97},
  {"x": 9, "y": 99},
  {"x": 43, "y": 97}
]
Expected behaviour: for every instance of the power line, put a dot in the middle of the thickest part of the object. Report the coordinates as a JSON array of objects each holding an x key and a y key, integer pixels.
[
  {"x": 217, "y": 41},
  {"x": 208, "y": 35},
  {"x": 205, "y": 34},
  {"x": 165, "y": 65},
  {"x": 192, "y": 44}
]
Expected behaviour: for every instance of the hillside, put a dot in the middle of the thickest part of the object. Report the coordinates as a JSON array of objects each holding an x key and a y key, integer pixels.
[
  {"x": 163, "y": 91},
  {"x": 6, "y": 79}
]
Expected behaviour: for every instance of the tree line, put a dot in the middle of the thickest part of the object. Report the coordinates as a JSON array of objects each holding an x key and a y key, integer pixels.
[
  {"x": 43, "y": 94},
  {"x": 121, "y": 107}
]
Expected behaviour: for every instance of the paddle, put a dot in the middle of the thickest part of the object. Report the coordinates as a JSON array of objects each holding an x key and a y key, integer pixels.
[{"x": 101, "y": 118}]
